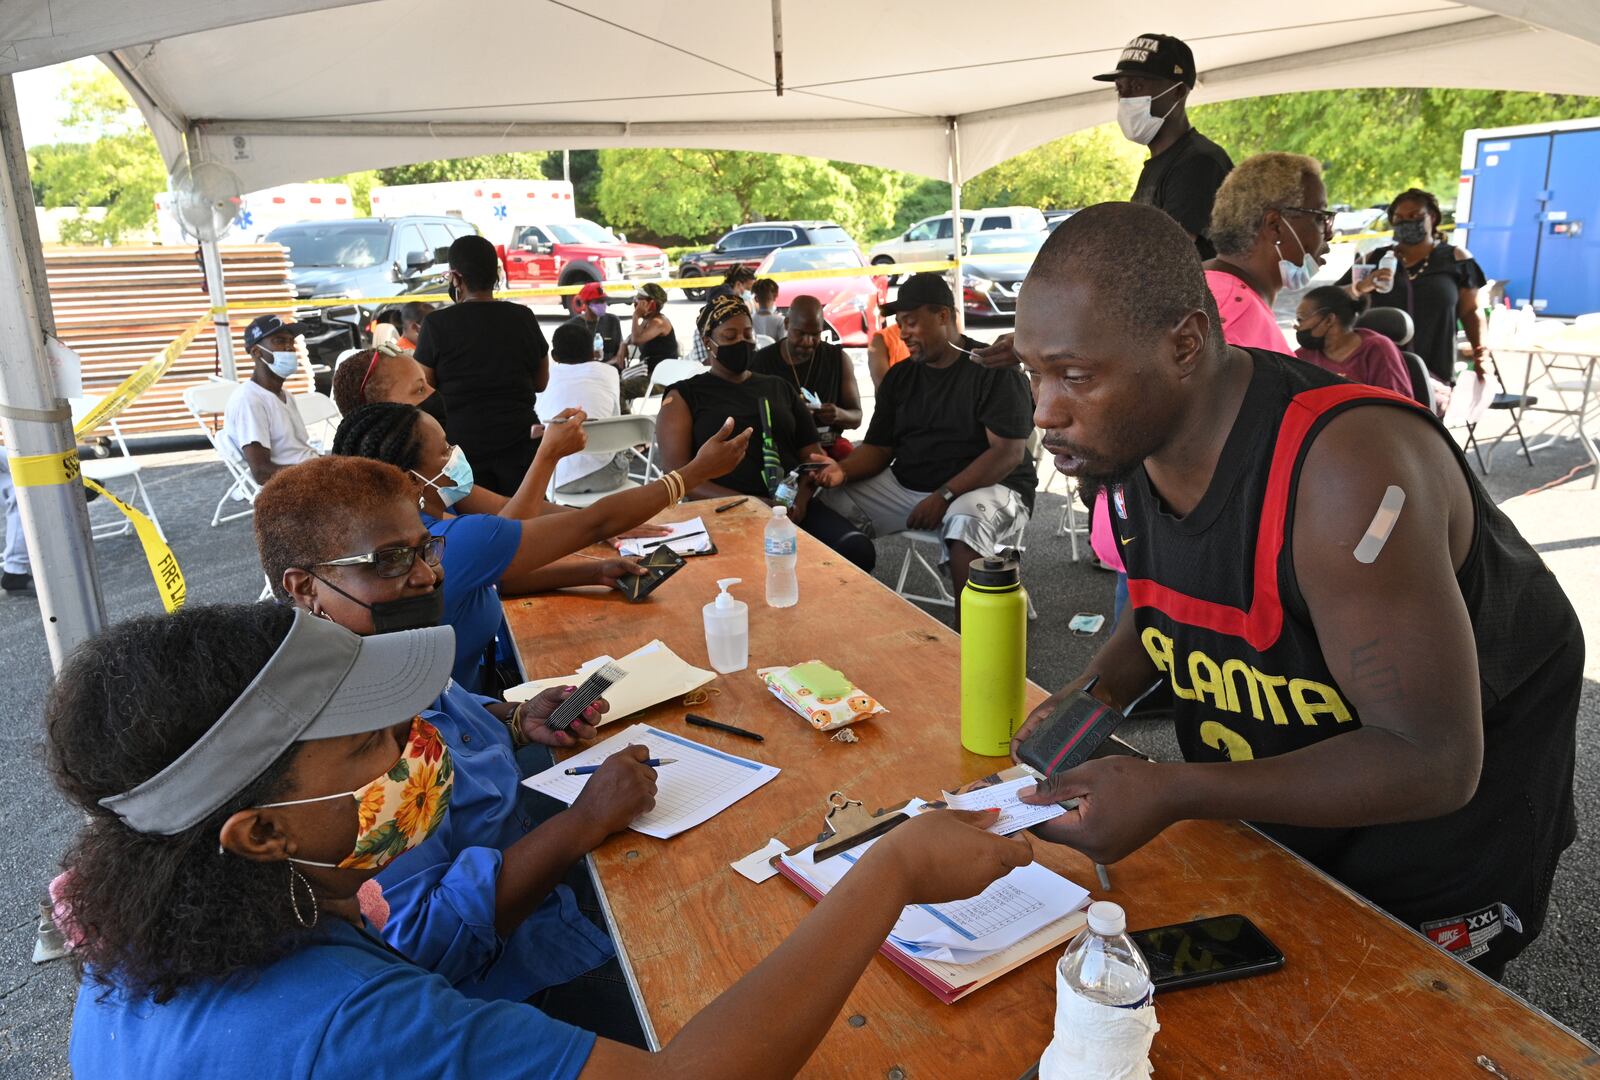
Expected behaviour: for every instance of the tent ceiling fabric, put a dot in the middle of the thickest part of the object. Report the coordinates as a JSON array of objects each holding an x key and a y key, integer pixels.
[{"x": 363, "y": 85}]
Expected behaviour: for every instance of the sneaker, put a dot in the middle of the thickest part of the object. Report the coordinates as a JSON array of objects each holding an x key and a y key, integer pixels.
[{"x": 15, "y": 582}]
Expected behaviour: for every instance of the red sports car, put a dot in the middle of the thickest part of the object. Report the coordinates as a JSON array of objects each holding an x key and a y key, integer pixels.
[{"x": 849, "y": 304}]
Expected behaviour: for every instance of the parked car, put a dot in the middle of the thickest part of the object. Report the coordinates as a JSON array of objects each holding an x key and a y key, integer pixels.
[
  {"x": 1053, "y": 218},
  {"x": 932, "y": 238},
  {"x": 365, "y": 256},
  {"x": 993, "y": 268},
  {"x": 749, "y": 244},
  {"x": 850, "y": 305},
  {"x": 576, "y": 252},
  {"x": 1348, "y": 222}
]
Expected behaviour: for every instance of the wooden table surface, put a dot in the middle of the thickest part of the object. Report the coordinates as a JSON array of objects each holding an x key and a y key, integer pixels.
[{"x": 1360, "y": 996}]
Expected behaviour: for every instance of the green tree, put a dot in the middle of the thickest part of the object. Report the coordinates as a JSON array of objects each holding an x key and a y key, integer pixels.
[
  {"x": 116, "y": 166},
  {"x": 1374, "y": 143},
  {"x": 676, "y": 194},
  {"x": 1096, "y": 165},
  {"x": 519, "y": 166}
]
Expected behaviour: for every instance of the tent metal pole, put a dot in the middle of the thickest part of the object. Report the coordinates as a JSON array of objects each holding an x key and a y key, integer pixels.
[
  {"x": 566, "y": 165},
  {"x": 211, "y": 266},
  {"x": 955, "y": 220},
  {"x": 37, "y": 423},
  {"x": 777, "y": 46}
]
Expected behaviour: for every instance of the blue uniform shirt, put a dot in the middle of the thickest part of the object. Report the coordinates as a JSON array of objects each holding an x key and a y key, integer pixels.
[
  {"x": 342, "y": 1006},
  {"x": 441, "y": 894},
  {"x": 477, "y": 550}
]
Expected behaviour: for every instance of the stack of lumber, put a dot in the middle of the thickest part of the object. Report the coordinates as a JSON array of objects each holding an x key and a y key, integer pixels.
[{"x": 119, "y": 306}]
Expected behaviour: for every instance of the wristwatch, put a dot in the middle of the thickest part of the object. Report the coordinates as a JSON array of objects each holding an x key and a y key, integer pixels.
[{"x": 946, "y": 494}]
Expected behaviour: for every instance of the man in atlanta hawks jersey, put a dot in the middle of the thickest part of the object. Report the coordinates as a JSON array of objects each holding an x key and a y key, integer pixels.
[{"x": 1392, "y": 697}]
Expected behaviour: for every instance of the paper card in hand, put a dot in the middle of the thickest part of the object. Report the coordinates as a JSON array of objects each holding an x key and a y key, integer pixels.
[{"x": 659, "y": 565}]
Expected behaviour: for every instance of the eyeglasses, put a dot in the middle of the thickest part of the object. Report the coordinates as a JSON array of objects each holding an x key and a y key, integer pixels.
[
  {"x": 1324, "y": 217},
  {"x": 394, "y": 562}
]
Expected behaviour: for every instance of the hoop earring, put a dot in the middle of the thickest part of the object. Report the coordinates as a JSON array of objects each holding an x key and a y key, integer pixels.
[{"x": 294, "y": 900}]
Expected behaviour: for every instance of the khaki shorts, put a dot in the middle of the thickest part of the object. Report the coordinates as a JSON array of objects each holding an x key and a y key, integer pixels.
[{"x": 986, "y": 520}]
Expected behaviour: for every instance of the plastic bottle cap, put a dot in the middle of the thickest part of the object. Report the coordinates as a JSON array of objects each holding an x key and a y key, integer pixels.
[
  {"x": 780, "y": 511},
  {"x": 1107, "y": 918},
  {"x": 725, "y": 600}
]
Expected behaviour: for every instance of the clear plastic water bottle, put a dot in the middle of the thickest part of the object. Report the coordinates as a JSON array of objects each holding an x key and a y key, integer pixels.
[
  {"x": 781, "y": 542},
  {"x": 599, "y": 346},
  {"x": 1103, "y": 964},
  {"x": 788, "y": 488},
  {"x": 1391, "y": 264}
]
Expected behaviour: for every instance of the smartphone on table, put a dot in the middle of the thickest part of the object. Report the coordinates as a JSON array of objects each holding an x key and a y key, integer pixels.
[{"x": 1206, "y": 951}]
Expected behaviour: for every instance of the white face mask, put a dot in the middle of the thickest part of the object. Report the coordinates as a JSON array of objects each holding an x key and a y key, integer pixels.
[
  {"x": 283, "y": 364},
  {"x": 1137, "y": 119},
  {"x": 1297, "y": 276}
]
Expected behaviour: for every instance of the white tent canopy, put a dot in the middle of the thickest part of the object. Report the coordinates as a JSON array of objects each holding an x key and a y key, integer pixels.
[{"x": 284, "y": 90}]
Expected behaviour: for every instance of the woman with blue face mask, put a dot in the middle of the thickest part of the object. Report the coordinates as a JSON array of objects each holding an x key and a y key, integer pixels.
[
  {"x": 1435, "y": 282},
  {"x": 491, "y": 548},
  {"x": 1271, "y": 226},
  {"x": 243, "y": 772}
]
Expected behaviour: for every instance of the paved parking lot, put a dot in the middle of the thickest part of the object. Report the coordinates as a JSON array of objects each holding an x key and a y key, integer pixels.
[{"x": 220, "y": 565}]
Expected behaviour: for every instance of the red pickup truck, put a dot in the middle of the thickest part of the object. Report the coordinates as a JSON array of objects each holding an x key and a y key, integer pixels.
[{"x": 574, "y": 252}]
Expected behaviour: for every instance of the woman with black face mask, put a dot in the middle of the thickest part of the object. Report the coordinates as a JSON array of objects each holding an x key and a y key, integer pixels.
[
  {"x": 785, "y": 435},
  {"x": 373, "y": 568},
  {"x": 1437, "y": 283}
]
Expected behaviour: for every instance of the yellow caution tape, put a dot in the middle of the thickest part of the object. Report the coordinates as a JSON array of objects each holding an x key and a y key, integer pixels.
[
  {"x": 43, "y": 470},
  {"x": 142, "y": 379},
  {"x": 163, "y": 564},
  {"x": 626, "y": 285}
]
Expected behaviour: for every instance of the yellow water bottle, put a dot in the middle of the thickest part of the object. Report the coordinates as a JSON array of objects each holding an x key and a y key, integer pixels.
[{"x": 994, "y": 656}]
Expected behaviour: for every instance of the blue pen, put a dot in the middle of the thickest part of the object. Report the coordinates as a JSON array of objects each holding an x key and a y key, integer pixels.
[{"x": 585, "y": 770}]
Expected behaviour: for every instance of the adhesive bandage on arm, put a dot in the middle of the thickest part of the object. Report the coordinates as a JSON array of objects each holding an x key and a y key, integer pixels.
[{"x": 1382, "y": 525}]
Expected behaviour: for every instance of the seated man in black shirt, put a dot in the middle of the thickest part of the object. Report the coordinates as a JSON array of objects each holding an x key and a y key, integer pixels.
[
  {"x": 488, "y": 358},
  {"x": 696, "y": 409},
  {"x": 946, "y": 450},
  {"x": 593, "y": 317},
  {"x": 816, "y": 368}
]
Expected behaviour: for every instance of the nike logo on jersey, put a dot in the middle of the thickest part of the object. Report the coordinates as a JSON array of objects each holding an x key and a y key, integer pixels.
[{"x": 1128, "y": 540}]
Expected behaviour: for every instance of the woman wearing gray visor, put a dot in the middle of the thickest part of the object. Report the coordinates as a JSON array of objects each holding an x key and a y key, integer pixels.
[
  {"x": 479, "y": 902},
  {"x": 245, "y": 770}
]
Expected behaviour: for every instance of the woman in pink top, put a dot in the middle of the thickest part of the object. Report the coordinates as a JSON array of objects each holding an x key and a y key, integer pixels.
[
  {"x": 1270, "y": 226},
  {"x": 1326, "y": 329}
]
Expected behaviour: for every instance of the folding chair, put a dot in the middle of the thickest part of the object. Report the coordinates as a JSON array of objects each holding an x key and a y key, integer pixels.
[
  {"x": 104, "y": 470},
  {"x": 943, "y": 598},
  {"x": 1504, "y": 402},
  {"x": 615, "y": 435},
  {"x": 211, "y": 399},
  {"x": 320, "y": 416},
  {"x": 666, "y": 373}
]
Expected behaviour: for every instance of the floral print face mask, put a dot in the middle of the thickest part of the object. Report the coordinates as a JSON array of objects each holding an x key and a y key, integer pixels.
[{"x": 401, "y": 808}]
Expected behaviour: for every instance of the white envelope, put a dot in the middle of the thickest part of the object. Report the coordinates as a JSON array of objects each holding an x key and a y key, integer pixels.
[{"x": 655, "y": 674}]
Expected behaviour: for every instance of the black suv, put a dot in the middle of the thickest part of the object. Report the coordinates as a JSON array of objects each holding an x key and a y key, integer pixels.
[{"x": 749, "y": 244}]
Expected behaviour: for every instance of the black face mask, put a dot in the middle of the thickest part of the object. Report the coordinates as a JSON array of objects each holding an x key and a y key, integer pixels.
[
  {"x": 735, "y": 356},
  {"x": 1314, "y": 342},
  {"x": 406, "y": 613},
  {"x": 433, "y": 405},
  {"x": 1414, "y": 231}
]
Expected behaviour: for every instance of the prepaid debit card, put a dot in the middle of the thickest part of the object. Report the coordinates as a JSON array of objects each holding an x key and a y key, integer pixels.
[{"x": 1015, "y": 815}]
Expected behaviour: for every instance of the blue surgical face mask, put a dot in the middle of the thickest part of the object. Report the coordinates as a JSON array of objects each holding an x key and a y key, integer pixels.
[
  {"x": 283, "y": 364},
  {"x": 1297, "y": 276},
  {"x": 456, "y": 468}
]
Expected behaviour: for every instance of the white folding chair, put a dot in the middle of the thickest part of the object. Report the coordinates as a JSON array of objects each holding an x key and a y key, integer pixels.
[
  {"x": 615, "y": 435},
  {"x": 666, "y": 373},
  {"x": 104, "y": 470},
  {"x": 210, "y": 399},
  {"x": 320, "y": 416},
  {"x": 943, "y": 598}
]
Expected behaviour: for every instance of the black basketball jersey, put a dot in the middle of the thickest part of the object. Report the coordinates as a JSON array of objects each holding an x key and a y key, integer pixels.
[{"x": 1217, "y": 608}]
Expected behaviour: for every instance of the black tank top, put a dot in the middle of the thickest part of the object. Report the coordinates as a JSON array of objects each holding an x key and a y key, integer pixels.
[
  {"x": 657, "y": 349},
  {"x": 1217, "y": 608}
]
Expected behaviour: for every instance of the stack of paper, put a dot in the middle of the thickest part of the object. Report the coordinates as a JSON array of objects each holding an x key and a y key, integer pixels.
[
  {"x": 686, "y": 538},
  {"x": 700, "y": 783},
  {"x": 655, "y": 674},
  {"x": 953, "y": 949},
  {"x": 1015, "y": 815}
]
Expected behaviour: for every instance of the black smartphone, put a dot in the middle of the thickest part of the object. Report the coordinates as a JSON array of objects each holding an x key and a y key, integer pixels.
[
  {"x": 659, "y": 565},
  {"x": 1206, "y": 951},
  {"x": 810, "y": 466}
]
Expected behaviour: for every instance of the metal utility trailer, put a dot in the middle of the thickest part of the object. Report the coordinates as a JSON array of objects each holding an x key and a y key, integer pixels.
[{"x": 1529, "y": 209}]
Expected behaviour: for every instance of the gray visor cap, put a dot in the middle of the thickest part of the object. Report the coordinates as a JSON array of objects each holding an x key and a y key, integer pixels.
[{"x": 323, "y": 682}]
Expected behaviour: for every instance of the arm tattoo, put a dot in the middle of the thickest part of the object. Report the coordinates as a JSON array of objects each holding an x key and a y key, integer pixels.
[{"x": 1378, "y": 680}]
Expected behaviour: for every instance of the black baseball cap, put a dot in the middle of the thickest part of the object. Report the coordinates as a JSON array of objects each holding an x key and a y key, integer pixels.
[
  {"x": 1160, "y": 55},
  {"x": 921, "y": 290},
  {"x": 267, "y": 325}
]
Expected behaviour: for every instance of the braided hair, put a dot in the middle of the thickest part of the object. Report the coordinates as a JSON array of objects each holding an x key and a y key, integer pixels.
[{"x": 384, "y": 431}]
